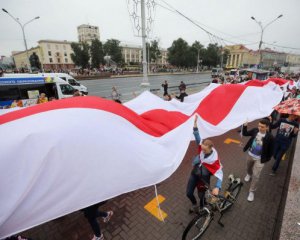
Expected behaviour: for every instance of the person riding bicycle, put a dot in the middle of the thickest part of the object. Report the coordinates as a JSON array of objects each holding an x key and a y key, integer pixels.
[{"x": 205, "y": 164}]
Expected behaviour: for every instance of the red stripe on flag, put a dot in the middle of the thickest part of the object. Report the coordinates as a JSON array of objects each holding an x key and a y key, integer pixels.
[
  {"x": 214, "y": 167},
  {"x": 218, "y": 104},
  {"x": 155, "y": 122}
]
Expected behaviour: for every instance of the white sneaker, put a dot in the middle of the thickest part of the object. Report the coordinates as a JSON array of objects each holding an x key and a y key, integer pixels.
[
  {"x": 98, "y": 238},
  {"x": 251, "y": 197},
  {"x": 247, "y": 178}
]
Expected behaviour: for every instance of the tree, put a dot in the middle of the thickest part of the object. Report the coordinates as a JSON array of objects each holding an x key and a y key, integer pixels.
[
  {"x": 97, "y": 53},
  {"x": 153, "y": 50},
  {"x": 34, "y": 61},
  {"x": 178, "y": 53},
  {"x": 192, "y": 56},
  {"x": 81, "y": 55},
  {"x": 113, "y": 49},
  {"x": 212, "y": 54}
]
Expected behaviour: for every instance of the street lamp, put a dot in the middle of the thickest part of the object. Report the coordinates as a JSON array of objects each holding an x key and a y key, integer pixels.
[
  {"x": 262, "y": 33},
  {"x": 198, "y": 61},
  {"x": 23, "y": 31}
]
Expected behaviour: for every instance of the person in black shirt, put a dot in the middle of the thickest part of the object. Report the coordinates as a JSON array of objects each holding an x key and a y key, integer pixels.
[
  {"x": 287, "y": 130},
  {"x": 165, "y": 86}
]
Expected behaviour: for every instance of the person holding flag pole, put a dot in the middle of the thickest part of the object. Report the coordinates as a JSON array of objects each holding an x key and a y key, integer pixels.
[{"x": 205, "y": 164}]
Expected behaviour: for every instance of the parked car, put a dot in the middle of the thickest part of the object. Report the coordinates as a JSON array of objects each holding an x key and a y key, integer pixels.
[{"x": 217, "y": 72}]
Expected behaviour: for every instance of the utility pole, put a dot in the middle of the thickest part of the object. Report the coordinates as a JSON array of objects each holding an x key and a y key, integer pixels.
[
  {"x": 261, "y": 35},
  {"x": 198, "y": 60},
  {"x": 23, "y": 32},
  {"x": 145, "y": 82}
]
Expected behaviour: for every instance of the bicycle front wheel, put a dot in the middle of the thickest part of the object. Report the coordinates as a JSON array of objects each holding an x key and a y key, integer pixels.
[{"x": 196, "y": 228}]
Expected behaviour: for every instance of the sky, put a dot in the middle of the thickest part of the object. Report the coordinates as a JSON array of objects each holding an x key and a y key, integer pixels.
[{"x": 227, "y": 19}]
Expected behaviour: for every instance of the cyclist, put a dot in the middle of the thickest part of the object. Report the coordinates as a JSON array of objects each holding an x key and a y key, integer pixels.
[{"x": 205, "y": 164}]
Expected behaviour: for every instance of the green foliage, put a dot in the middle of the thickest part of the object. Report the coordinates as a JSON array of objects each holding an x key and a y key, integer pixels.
[
  {"x": 97, "y": 54},
  {"x": 153, "y": 51},
  {"x": 181, "y": 54},
  {"x": 81, "y": 55},
  {"x": 113, "y": 49},
  {"x": 177, "y": 53}
]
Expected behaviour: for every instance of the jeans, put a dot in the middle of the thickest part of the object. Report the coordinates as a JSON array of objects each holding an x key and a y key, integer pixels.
[
  {"x": 192, "y": 183},
  {"x": 279, "y": 150},
  {"x": 92, "y": 213}
]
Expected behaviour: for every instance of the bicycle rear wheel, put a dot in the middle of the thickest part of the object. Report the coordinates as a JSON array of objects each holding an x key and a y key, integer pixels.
[
  {"x": 232, "y": 194},
  {"x": 196, "y": 228}
]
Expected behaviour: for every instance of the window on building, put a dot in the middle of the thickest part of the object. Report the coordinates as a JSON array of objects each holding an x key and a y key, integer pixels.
[
  {"x": 56, "y": 46},
  {"x": 49, "y": 53},
  {"x": 57, "y": 54},
  {"x": 65, "y": 54},
  {"x": 48, "y": 46},
  {"x": 66, "y": 60},
  {"x": 64, "y": 46},
  {"x": 58, "y": 60},
  {"x": 50, "y": 60}
]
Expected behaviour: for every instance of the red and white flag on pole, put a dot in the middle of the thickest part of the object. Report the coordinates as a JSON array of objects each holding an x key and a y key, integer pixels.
[{"x": 61, "y": 156}]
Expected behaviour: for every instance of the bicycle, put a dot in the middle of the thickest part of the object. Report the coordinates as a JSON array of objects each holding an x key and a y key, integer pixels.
[{"x": 199, "y": 224}]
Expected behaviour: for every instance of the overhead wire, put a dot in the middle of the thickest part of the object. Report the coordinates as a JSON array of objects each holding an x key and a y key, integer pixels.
[{"x": 214, "y": 37}]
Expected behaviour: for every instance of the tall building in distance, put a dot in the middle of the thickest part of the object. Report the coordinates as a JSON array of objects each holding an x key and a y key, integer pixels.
[
  {"x": 87, "y": 33},
  {"x": 52, "y": 54}
]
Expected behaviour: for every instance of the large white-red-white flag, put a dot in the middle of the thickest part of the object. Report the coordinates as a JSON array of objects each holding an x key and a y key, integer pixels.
[{"x": 61, "y": 156}]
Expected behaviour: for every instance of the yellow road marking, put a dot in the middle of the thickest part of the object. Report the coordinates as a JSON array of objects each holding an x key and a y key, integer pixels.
[
  {"x": 230, "y": 140},
  {"x": 154, "y": 210}
]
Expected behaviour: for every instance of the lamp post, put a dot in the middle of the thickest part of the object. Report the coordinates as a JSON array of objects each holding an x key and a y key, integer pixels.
[
  {"x": 23, "y": 31},
  {"x": 222, "y": 57},
  {"x": 198, "y": 60},
  {"x": 145, "y": 82},
  {"x": 262, "y": 33}
]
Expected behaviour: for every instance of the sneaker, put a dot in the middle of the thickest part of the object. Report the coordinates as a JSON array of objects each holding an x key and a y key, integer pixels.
[
  {"x": 272, "y": 173},
  {"x": 98, "y": 238},
  {"x": 247, "y": 178},
  {"x": 251, "y": 197},
  {"x": 109, "y": 215}
]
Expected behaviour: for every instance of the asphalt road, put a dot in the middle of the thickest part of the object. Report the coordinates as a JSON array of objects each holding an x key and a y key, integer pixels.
[{"x": 127, "y": 85}]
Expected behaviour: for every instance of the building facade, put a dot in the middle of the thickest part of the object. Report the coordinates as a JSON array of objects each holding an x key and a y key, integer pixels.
[
  {"x": 272, "y": 58},
  {"x": 53, "y": 55},
  {"x": 241, "y": 57},
  {"x": 133, "y": 54},
  {"x": 20, "y": 57},
  {"x": 292, "y": 59},
  {"x": 88, "y": 33}
]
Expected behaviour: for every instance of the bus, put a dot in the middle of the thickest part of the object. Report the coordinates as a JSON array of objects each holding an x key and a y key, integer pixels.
[
  {"x": 28, "y": 89},
  {"x": 64, "y": 76}
]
